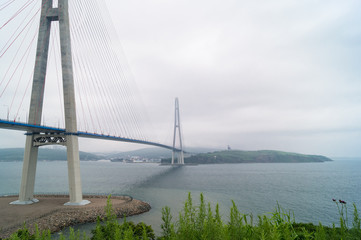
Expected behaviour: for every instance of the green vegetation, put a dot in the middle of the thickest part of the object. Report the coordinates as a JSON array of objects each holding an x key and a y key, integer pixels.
[
  {"x": 264, "y": 156},
  {"x": 152, "y": 153},
  {"x": 17, "y": 154},
  {"x": 113, "y": 230},
  {"x": 201, "y": 222}
]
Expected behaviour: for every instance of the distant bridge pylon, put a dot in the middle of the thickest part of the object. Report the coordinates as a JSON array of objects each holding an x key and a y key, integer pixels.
[{"x": 177, "y": 126}]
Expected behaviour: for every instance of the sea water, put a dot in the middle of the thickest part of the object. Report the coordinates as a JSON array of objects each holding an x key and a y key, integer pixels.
[{"x": 307, "y": 189}]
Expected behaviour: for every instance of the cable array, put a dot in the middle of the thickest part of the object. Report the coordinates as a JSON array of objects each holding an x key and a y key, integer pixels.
[
  {"x": 107, "y": 99},
  {"x": 18, "y": 35},
  {"x": 102, "y": 81}
]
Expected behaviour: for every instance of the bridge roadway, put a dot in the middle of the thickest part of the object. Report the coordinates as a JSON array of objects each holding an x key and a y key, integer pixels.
[{"x": 20, "y": 126}]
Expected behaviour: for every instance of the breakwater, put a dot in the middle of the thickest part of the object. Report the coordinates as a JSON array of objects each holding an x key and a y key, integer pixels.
[{"x": 50, "y": 212}]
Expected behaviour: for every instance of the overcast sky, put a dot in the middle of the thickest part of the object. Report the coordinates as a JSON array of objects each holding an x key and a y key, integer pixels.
[{"x": 281, "y": 75}]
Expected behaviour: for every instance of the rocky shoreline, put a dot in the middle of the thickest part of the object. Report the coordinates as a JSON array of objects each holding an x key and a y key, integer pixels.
[{"x": 53, "y": 215}]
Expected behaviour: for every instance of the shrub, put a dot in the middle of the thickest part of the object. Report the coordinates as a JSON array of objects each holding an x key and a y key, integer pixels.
[{"x": 201, "y": 223}]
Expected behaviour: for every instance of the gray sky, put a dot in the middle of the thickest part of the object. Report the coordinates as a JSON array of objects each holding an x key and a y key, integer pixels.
[{"x": 282, "y": 75}]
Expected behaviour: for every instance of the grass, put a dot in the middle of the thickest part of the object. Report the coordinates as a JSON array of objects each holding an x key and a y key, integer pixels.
[{"x": 201, "y": 222}]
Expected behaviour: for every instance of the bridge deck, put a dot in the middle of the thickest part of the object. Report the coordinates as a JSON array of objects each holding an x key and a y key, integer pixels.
[{"x": 32, "y": 128}]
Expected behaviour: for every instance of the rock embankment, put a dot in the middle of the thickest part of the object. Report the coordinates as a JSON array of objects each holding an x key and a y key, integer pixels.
[{"x": 50, "y": 212}]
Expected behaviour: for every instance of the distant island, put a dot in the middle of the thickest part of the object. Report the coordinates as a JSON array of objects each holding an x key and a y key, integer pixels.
[
  {"x": 56, "y": 153},
  {"x": 199, "y": 156},
  {"x": 237, "y": 156}
]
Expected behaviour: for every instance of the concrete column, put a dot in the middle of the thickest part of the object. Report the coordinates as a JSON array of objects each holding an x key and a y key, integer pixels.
[
  {"x": 75, "y": 191},
  {"x": 172, "y": 156},
  {"x": 26, "y": 194}
]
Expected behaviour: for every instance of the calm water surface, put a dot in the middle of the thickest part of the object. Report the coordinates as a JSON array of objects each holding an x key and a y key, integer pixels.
[{"x": 305, "y": 188}]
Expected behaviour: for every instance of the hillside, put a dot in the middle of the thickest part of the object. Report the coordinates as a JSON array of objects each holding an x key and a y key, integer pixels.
[
  {"x": 16, "y": 154},
  {"x": 52, "y": 154},
  {"x": 264, "y": 156},
  {"x": 151, "y": 153}
]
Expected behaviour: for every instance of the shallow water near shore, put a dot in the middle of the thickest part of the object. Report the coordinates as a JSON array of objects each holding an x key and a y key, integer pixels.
[{"x": 305, "y": 188}]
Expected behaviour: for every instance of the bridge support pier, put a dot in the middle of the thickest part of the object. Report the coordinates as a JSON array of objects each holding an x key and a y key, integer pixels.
[
  {"x": 75, "y": 192},
  {"x": 26, "y": 195}
]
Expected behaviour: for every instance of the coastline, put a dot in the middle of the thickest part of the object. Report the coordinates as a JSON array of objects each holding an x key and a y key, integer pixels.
[{"x": 51, "y": 213}]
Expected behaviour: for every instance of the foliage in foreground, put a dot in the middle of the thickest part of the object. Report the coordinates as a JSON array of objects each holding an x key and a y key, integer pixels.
[{"x": 201, "y": 222}]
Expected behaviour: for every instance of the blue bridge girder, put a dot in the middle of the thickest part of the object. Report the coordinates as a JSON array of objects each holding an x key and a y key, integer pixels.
[{"x": 33, "y": 128}]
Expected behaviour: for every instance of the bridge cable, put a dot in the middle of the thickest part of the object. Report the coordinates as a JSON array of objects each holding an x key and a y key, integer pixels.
[
  {"x": 16, "y": 68},
  {"x": 2, "y": 51},
  {"x": 2, "y": 7},
  {"x": 101, "y": 86},
  {"x": 26, "y": 90},
  {"x": 104, "y": 52},
  {"x": 120, "y": 71},
  {"x": 90, "y": 71},
  {"x": 17, "y": 13},
  {"x": 110, "y": 61},
  {"x": 27, "y": 52},
  {"x": 124, "y": 68},
  {"x": 14, "y": 57}
]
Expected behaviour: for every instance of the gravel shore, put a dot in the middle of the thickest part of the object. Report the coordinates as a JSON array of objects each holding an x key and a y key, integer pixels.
[{"x": 50, "y": 212}]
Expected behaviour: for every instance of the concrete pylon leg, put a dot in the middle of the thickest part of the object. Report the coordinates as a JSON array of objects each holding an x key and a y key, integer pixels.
[
  {"x": 181, "y": 158},
  {"x": 26, "y": 194},
  {"x": 36, "y": 105},
  {"x": 75, "y": 192}
]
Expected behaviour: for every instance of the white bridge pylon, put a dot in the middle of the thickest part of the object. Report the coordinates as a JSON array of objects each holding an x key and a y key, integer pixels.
[
  {"x": 177, "y": 126},
  {"x": 69, "y": 138}
]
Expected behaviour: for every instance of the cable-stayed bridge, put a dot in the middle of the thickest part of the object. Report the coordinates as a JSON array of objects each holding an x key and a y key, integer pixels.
[{"x": 95, "y": 93}]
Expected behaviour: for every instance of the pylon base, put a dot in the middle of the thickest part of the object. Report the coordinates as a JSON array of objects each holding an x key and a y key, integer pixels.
[
  {"x": 18, "y": 202},
  {"x": 82, "y": 203}
]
